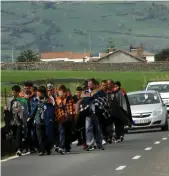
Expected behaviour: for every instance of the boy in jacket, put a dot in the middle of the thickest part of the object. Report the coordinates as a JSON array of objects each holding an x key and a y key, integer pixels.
[
  {"x": 43, "y": 116},
  {"x": 65, "y": 113},
  {"x": 18, "y": 110},
  {"x": 30, "y": 96}
]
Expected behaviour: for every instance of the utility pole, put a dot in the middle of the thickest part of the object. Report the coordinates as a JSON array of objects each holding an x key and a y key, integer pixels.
[
  {"x": 90, "y": 45},
  {"x": 12, "y": 55}
]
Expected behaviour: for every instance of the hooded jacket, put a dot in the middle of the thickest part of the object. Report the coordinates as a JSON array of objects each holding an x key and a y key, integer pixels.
[
  {"x": 30, "y": 101},
  {"x": 18, "y": 110}
]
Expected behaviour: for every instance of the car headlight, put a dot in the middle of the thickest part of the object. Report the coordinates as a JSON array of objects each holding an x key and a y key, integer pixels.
[{"x": 157, "y": 112}]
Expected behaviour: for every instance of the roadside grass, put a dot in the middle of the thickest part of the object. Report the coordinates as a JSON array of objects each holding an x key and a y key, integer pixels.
[
  {"x": 7, "y": 156},
  {"x": 2, "y": 112}
]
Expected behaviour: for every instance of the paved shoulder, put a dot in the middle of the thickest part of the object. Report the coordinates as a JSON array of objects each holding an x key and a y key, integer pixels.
[
  {"x": 115, "y": 160},
  {"x": 153, "y": 162}
]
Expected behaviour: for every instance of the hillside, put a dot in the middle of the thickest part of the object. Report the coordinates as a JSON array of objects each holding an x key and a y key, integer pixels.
[{"x": 83, "y": 26}]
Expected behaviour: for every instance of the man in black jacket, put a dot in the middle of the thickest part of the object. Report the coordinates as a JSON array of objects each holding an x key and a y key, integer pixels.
[
  {"x": 119, "y": 110},
  {"x": 129, "y": 115}
]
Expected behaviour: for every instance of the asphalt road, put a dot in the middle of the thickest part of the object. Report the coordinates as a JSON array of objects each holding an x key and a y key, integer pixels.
[{"x": 141, "y": 154}]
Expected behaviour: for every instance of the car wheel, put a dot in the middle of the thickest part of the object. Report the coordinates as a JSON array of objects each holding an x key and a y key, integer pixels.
[{"x": 165, "y": 127}]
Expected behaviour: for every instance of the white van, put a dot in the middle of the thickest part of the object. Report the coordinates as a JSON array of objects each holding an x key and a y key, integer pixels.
[{"x": 163, "y": 88}]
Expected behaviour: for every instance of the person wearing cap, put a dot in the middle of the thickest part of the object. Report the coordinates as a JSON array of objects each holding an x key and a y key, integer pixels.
[{"x": 51, "y": 93}]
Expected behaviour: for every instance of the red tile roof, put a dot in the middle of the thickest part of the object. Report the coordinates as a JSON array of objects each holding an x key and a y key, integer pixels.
[{"x": 69, "y": 55}]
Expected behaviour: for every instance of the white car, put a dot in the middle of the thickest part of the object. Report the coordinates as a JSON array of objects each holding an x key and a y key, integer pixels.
[
  {"x": 163, "y": 88},
  {"x": 148, "y": 110}
]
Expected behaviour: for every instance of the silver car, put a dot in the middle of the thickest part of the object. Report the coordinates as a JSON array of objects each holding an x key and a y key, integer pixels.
[
  {"x": 148, "y": 110},
  {"x": 163, "y": 88}
]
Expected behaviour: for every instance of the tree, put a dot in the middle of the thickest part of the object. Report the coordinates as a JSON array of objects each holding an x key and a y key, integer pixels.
[
  {"x": 163, "y": 55},
  {"x": 28, "y": 56},
  {"x": 110, "y": 46}
]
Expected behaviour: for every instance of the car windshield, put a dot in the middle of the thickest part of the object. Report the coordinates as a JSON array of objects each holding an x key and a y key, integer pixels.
[
  {"x": 162, "y": 88},
  {"x": 143, "y": 98}
]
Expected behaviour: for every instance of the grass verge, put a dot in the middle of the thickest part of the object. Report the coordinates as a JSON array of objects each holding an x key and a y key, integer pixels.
[{"x": 130, "y": 80}]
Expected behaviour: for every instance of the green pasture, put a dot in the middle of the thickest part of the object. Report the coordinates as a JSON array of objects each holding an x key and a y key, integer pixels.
[{"x": 130, "y": 80}]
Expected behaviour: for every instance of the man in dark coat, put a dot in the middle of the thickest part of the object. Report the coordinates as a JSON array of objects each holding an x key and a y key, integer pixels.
[
  {"x": 119, "y": 110},
  {"x": 129, "y": 115}
]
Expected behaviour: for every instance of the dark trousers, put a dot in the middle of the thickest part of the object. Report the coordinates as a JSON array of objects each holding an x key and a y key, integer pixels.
[
  {"x": 30, "y": 133},
  {"x": 19, "y": 137},
  {"x": 56, "y": 134},
  {"x": 65, "y": 134},
  {"x": 119, "y": 128},
  {"x": 81, "y": 136},
  {"x": 84, "y": 135},
  {"x": 107, "y": 131},
  {"x": 45, "y": 145}
]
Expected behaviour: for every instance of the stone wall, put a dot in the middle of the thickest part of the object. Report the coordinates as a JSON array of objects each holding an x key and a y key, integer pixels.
[{"x": 158, "y": 66}]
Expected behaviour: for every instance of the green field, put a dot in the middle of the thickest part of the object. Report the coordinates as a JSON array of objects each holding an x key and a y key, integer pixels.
[{"x": 130, "y": 81}]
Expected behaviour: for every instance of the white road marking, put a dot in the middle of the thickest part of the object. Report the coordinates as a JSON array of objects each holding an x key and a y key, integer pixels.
[
  {"x": 10, "y": 158},
  {"x": 136, "y": 157},
  {"x": 120, "y": 168},
  {"x": 148, "y": 148},
  {"x": 14, "y": 157},
  {"x": 26, "y": 154},
  {"x": 157, "y": 142},
  {"x": 164, "y": 138}
]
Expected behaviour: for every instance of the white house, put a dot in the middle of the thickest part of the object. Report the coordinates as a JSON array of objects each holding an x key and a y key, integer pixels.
[
  {"x": 150, "y": 57},
  {"x": 120, "y": 56},
  {"x": 139, "y": 52}
]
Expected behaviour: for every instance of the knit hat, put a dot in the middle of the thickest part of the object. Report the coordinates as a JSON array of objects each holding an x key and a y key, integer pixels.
[{"x": 50, "y": 86}]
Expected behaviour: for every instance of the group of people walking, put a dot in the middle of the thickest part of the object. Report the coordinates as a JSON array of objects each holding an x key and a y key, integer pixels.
[{"x": 42, "y": 118}]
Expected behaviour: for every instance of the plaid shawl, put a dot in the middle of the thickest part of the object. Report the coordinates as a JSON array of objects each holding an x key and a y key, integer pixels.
[{"x": 97, "y": 104}]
